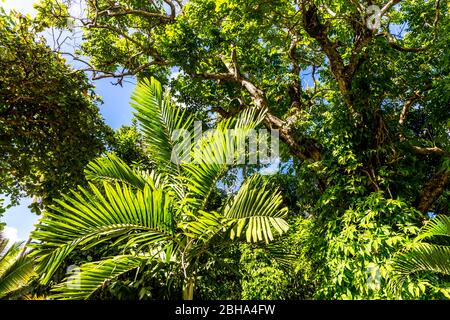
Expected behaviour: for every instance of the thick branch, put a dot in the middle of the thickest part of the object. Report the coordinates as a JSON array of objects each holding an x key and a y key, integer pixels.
[
  {"x": 430, "y": 150},
  {"x": 318, "y": 31},
  {"x": 407, "y": 106},
  {"x": 342, "y": 73},
  {"x": 172, "y": 8},
  {"x": 303, "y": 149},
  {"x": 118, "y": 11},
  {"x": 388, "y": 6},
  {"x": 295, "y": 87}
]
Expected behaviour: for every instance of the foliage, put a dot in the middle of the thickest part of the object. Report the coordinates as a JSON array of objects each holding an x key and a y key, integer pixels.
[
  {"x": 50, "y": 127},
  {"x": 129, "y": 146},
  {"x": 16, "y": 269},
  {"x": 362, "y": 113},
  {"x": 220, "y": 278},
  {"x": 155, "y": 219},
  {"x": 262, "y": 277},
  {"x": 426, "y": 258}
]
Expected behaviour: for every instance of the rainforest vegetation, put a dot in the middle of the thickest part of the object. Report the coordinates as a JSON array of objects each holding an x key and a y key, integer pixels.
[{"x": 356, "y": 205}]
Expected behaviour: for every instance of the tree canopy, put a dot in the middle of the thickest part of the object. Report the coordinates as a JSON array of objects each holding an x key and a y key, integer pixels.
[
  {"x": 335, "y": 88},
  {"x": 50, "y": 126}
]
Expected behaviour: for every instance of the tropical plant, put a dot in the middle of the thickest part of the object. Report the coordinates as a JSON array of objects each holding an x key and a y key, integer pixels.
[
  {"x": 362, "y": 110},
  {"x": 422, "y": 256},
  {"x": 157, "y": 217},
  {"x": 16, "y": 269},
  {"x": 50, "y": 125}
]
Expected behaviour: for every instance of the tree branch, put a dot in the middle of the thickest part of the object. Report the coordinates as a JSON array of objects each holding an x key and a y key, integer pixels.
[
  {"x": 295, "y": 87},
  {"x": 388, "y": 6},
  {"x": 343, "y": 74},
  {"x": 430, "y": 150},
  {"x": 118, "y": 11},
  {"x": 433, "y": 190},
  {"x": 394, "y": 44},
  {"x": 407, "y": 106},
  {"x": 409, "y": 103},
  {"x": 303, "y": 148}
]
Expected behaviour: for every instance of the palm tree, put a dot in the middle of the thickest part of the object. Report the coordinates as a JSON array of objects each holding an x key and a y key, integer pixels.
[
  {"x": 424, "y": 256},
  {"x": 16, "y": 269},
  {"x": 158, "y": 216}
]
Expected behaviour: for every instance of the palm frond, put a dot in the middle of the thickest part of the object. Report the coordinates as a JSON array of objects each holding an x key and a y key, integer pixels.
[
  {"x": 16, "y": 269},
  {"x": 438, "y": 226},
  {"x": 160, "y": 119},
  {"x": 7, "y": 255},
  {"x": 90, "y": 277},
  {"x": 112, "y": 168},
  {"x": 216, "y": 153},
  {"x": 3, "y": 243},
  {"x": 204, "y": 225},
  {"x": 257, "y": 211},
  {"x": 91, "y": 217},
  {"x": 422, "y": 257},
  {"x": 17, "y": 275},
  {"x": 281, "y": 254}
]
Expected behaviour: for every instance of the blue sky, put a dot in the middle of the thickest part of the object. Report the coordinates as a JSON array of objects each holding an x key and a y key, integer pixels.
[{"x": 115, "y": 109}]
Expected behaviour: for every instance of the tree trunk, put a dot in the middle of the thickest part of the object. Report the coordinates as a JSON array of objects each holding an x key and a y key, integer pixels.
[
  {"x": 188, "y": 289},
  {"x": 433, "y": 190}
]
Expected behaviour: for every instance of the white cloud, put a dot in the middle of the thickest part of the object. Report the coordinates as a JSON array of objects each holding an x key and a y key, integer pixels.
[
  {"x": 11, "y": 234},
  {"x": 23, "y": 6}
]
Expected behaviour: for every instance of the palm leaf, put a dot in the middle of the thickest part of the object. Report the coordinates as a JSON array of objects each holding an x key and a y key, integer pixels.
[
  {"x": 213, "y": 153},
  {"x": 439, "y": 226},
  {"x": 422, "y": 257},
  {"x": 112, "y": 168},
  {"x": 8, "y": 254},
  {"x": 16, "y": 276},
  {"x": 204, "y": 225},
  {"x": 160, "y": 119},
  {"x": 257, "y": 211},
  {"x": 16, "y": 269},
  {"x": 89, "y": 218}
]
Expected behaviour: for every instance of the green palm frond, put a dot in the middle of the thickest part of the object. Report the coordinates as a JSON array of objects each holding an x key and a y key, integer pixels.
[
  {"x": 90, "y": 217},
  {"x": 90, "y": 277},
  {"x": 160, "y": 214},
  {"x": 422, "y": 256},
  {"x": 256, "y": 210},
  {"x": 160, "y": 119},
  {"x": 16, "y": 276},
  {"x": 3, "y": 243},
  {"x": 202, "y": 176},
  {"x": 112, "y": 168},
  {"x": 16, "y": 269},
  {"x": 7, "y": 255},
  {"x": 216, "y": 153},
  {"x": 439, "y": 226},
  {"x": 204, "y": 225}
]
